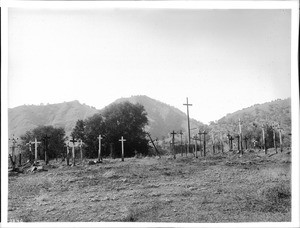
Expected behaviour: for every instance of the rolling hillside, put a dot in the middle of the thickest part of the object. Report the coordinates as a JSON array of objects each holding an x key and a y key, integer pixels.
[
  {"x": 27, "y": 117},
  {"x": 163, "y": 118}
]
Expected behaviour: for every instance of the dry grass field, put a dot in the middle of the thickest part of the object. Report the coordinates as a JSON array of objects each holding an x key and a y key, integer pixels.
[{"x": 223, "y": 188}]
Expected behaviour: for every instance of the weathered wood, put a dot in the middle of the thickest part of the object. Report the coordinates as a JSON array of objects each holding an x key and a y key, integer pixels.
[
  {"x": 45, "y": 140},
  {"x": 99, "y": 150},
  {"x": 35, "y": 150},
  {"x": 122, "y": 140},
  {"x": 173, "y": 145},
  {"x": 73, "y": 150}
]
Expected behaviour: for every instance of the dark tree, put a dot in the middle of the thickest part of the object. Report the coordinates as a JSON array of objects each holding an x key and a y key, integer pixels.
[
  {"x": 78, "y": 131},
  {"x": 93, "y": 127},
  {"x": 55, "y": 143}
]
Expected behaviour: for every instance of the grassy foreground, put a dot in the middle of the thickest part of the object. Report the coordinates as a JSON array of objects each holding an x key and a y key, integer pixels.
[{"x": 223, "y": 188}]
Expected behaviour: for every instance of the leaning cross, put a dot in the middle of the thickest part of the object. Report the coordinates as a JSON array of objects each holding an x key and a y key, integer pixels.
[
  {"x": 99, "y": 151},
  {"x": 35, "y": 150},
  {"x": 122, "y": 141}
]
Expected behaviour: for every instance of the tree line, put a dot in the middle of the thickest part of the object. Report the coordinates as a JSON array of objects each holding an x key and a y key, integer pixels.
[{"x": 117, "y": 120}]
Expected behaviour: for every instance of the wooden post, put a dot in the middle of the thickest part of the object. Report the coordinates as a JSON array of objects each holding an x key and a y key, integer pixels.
[
  {"x": 196, "y": 138},
  {"x": 45, "y": 140},
  {"x": 264, "y": 139},
  {"x": 30, "y": 151},
  {"x": 99, "y": 151},
  {"x": 173, "y": 143},
  {"x": 188, "y": 118},
  {"x": 157, "y": 153},
  {"x": 280, "y": 140},
  {"x": 122, "y": 141},
  {"x": 181, "y": 143},
  {"x": 274, "y": 139},
  {"x": 73, "y": 150},
  {"x": 204, "y": 143},
  {"x": 67, "y": 146},
  {"x": 246, "y": 139},
  {"x": 240, "y": 136},
  {"x": 13, "y": 158},
  {"x": 80, "y": 146},
  {"x": 200, "y": 149}
]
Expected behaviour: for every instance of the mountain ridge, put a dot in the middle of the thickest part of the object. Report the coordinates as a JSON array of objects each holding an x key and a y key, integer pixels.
[{"x": 163, "y": 118}]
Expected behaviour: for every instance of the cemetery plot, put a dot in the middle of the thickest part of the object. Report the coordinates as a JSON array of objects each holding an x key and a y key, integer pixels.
[{"x": 254, "y": 187}]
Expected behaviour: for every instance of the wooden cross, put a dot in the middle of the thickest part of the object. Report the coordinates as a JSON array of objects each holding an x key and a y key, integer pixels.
[
  {"x": 99, "y": 151},
  {"x": 73, "y": 149},
  {"x": 188, "y": 118},
  {"x": 173, "y": 141},
  {"x": 45, "y": 140},
  {"x": 122, "y": 141},
  {"x": 264, "y": 140},
  {"x": 35, "y": 150},
  {"x": 199, "y": 133}
]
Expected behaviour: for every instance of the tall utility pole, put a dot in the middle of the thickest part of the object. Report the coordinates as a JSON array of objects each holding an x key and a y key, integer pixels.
[
  {"x": 188, "y": 118},
  {"x": 173, "y": 141}
]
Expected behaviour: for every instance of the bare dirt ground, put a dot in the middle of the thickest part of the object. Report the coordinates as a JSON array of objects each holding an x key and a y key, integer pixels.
[{"x": 221, "y": 188}]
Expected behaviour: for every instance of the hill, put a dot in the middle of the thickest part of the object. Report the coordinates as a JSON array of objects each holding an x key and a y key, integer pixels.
[
  {"x": 163, "y": 118},
  {"x": 276, "y": 112},
  {"x": 27, "y": 117}
]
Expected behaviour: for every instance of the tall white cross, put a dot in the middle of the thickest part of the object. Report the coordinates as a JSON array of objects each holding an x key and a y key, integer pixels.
[
  {"x": 99, "y": 151},
  {"x": 73, "y": 150},
  {"x": 35, "y": 150},
  {"x": 122, "y": 141}
]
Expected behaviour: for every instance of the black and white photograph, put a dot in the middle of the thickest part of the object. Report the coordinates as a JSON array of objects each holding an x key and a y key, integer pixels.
[{"x": 150, "y": 114}]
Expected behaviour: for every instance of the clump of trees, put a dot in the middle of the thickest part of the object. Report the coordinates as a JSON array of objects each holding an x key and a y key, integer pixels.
[
  {"x": 55, "y": 142},
  {"x": 122, "y": 119}
]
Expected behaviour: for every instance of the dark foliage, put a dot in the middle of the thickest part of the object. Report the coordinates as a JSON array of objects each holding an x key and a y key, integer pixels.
[
  {"x": 55, "y": 142},
  {"x": 117, "y": 120}
]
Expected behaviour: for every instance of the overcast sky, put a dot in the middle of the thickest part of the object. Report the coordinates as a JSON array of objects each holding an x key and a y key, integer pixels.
[{"x": 223, "y": 60}]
